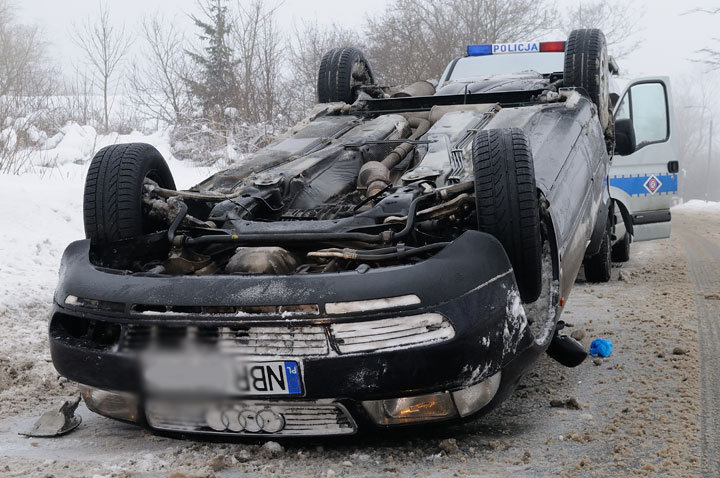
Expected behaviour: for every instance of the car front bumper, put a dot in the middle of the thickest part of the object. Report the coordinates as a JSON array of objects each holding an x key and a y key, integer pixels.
[{"x": 98, "y": 314}]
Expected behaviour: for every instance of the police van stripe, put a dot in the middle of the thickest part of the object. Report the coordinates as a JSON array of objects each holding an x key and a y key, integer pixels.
[{"x": 635, "y": 185}]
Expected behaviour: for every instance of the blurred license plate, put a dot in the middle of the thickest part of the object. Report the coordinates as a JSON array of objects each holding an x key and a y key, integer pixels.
[{"x": 221, "y": 375}]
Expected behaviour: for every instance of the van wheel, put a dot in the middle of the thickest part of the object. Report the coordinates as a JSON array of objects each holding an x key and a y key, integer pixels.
[
  {"x": 621, "y": 249},
  {"x": 586, "y": 67},
  {"x": 507, "y": 203},
  {"x": 342, "y": 72},
  {"x": 598, "y": 266},
  {"x": 112, "y": 206}
]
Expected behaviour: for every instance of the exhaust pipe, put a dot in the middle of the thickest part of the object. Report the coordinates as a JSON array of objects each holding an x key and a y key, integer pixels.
[
  {"x": 567, "y": 350},
  {"x": 374, "y": 176},
  {"x": 419, "y": 88}
]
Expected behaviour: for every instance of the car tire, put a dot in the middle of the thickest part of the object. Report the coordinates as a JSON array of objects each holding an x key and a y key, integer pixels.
[
  {"x": 507, "y": 202},
  {"x": 342, "y": 71},
  {"x": 598, "y": 266},
  {"x": 112, "y": 205},
  {"x": 586, "y": 67},
  {"x": 621, "y": 249}
]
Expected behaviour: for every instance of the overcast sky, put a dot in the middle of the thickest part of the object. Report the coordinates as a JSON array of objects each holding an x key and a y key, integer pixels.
[{"x": 670, "y": 39}]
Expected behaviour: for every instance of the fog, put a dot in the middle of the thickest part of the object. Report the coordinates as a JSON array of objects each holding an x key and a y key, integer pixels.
[{"x": 666, "y": 40}]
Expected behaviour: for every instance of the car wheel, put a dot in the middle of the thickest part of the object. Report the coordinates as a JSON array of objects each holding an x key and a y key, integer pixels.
[
  {"x": 507, "y": 202},
  {"x": 597, "y": 267},
  {"x": 342, "y": 71},
  {"x": 621, "y": 250},
  {"x": 586, "y": 67},
  {"x": 112, "y": 206}
]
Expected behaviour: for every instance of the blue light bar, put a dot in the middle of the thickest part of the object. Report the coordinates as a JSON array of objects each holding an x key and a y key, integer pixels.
[{"x": 479, "y": 50}]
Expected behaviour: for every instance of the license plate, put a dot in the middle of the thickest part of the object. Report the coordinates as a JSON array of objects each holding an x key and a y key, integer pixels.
[
  {"x": 220, "y": 375},
  {"x": 268, "y": 378}
]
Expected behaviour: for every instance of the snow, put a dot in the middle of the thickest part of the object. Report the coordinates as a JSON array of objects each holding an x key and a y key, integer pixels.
[
  {"x": 41, "y": 209},
  {"x": 698, "y": 205}
]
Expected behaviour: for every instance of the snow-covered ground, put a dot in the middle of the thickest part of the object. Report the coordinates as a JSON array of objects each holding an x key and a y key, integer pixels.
[
  {"x": 41, "y": 209},
  {"x": 698, "y": 205}
]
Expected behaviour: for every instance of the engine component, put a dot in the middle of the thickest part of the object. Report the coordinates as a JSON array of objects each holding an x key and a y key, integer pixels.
[
  {"x": 419, "y": 88},
  {"x": 261, "y": 260},
  {"x": 374, "y": 176}
]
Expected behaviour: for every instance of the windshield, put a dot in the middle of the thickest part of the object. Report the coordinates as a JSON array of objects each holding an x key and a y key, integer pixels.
[{"x": 489, "y": 65}]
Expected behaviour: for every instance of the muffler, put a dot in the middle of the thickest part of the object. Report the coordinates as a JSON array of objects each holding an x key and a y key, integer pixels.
[{"x": 565, "y": 349}]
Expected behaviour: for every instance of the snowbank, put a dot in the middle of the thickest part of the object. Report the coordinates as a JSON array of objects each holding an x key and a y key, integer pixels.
[
  {"x": 77, "y": 144},
  {"x": 41, "y": 211},
  {"x": 698, "y": 205}
]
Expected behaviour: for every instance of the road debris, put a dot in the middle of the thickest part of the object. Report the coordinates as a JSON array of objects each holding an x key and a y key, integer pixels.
[
  {"x": 570, "y": 403},
  {"x": 271, "y": 449},
  {"x": 601, "y": 347},
  {"x": 56, "y": 422},
  {"x": 449, "y": 446},
  {"x": 578, "y": 335}
]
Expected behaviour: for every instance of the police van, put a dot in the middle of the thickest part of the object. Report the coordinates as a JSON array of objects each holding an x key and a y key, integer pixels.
[{"x": 642, "y": 184}]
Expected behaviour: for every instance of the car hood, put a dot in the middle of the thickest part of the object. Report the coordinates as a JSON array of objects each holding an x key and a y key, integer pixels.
[{"x": 519, "y": 81}]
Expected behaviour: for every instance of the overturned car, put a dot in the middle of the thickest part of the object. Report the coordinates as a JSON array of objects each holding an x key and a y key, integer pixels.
[{"x": 400, "y": 257}]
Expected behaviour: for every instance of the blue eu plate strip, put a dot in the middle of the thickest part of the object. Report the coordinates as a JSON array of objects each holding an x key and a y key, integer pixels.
[{"x": 292, "y": 371}]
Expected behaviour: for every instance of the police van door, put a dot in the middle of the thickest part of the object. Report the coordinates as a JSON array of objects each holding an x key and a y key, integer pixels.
[{"x": 645, "y": 182}]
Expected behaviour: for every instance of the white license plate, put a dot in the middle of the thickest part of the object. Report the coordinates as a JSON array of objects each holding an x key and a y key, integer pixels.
[
  {"x": 268, "y": 378},
  {"x": 221, "y": 375}
]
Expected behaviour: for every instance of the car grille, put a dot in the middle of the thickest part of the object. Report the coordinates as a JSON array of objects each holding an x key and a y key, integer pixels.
[
  {"x": 249, "y": 340},
  {"x": 301, "y": 418},
  {"x": 297, "y": 340}
]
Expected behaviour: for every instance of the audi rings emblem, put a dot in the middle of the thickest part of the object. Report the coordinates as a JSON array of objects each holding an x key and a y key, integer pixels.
[{"x": 245, "y": 420}]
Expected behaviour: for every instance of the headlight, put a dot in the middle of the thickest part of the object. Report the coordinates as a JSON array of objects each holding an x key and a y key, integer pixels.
[
  {"x": 421, "y": 408},
  {"x": 118, "y": 405},
  {"x": 433, "y": 406}
]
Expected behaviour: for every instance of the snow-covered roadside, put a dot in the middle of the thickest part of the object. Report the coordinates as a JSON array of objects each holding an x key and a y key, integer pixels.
[
  {"x": 41, "y": 211},
  {"x": 40, "y": 214},
  {"x": 698, "y": 205}
]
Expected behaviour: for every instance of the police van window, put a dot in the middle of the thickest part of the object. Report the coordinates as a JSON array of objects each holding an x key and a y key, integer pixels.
[
  {"x": 623, "y": 111},
  {"x": 649, "y": 113}
]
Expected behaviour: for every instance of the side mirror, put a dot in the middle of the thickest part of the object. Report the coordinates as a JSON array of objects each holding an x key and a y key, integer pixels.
[{"x": 624, "y": 137}]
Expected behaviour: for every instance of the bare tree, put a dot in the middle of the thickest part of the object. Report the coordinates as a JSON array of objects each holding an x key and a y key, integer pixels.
[
  {"x": 27, "y": 83},
  {"x": 156, "y": 82},
  {"x": 104, "y": 47},
  {"x": 618, "y": 20},
  {"x": 76, "y": 101},
  {"x": 694, "y": 107},
  {"x": 709, "y": 56},
  {"x": 24, "y": 67},
  {"x": 258, "y": 42},
  {"x": 415, "y": 39},
  {"x": 264, "y": 82}
]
